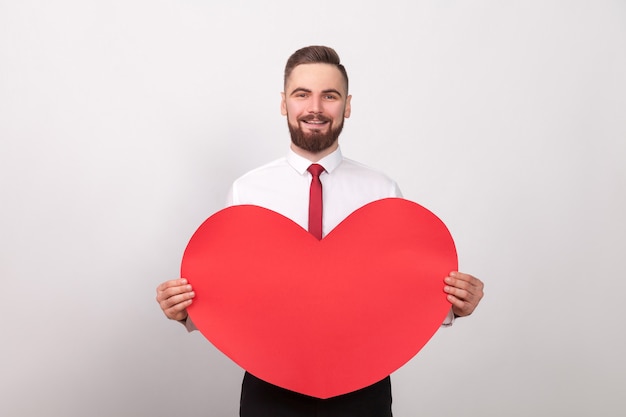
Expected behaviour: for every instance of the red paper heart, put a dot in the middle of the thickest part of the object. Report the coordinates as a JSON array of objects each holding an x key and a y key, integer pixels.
[{"x": 327, "y": 317}]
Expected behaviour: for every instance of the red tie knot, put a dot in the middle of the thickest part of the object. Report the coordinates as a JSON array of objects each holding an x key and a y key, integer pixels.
[{"x": 316, "y": 170}]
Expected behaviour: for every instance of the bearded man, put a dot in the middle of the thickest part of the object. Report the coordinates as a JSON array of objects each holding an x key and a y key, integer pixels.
[{"x": 315, "y": 102}]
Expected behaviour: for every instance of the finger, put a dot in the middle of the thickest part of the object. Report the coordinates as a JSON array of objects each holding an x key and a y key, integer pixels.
[
  {"x": 178, "y": 311},
  {"x": 462, "y": 307},
  {"x": 171, "y": 283},
  {"x": 173, "y": 300},
  {"x": 464, "y": 295},
  {"x": 459, "y": 293},
  {"x": 171, "y": 291},
  {"x": 464, "y": 281},
  {"x": 453, "y": 283},
  {"x": 456, "y": 302},
  {"x": 463, "y": 299},
  {"x": 457, "y": 287},
  {"x": 475, "y": 287},
  {"x": 175, "y": 308},
  {"x": 174, "y": 296}
]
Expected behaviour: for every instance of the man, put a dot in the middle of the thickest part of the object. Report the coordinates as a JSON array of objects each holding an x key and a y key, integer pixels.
[{"x": 315, "y": 102}]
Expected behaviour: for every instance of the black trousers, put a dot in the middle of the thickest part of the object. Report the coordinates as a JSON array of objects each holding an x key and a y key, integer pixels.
[{"x": 262, "y": 399}]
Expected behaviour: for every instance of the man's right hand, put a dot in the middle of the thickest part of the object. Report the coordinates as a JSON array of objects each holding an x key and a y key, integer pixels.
[{"x": 174, "y": 297}]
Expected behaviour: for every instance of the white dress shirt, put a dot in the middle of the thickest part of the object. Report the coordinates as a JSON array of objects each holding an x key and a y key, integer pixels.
[{"x": 283, "y": 186}]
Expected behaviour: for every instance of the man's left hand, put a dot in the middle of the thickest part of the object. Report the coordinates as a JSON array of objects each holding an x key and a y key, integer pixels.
[{"x": 464, "y": 292}]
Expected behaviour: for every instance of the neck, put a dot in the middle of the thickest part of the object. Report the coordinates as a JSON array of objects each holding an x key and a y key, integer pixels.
[{"x": 315, "y": 156}]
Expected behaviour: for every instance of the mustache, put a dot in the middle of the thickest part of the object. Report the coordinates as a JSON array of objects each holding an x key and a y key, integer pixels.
[{"x": 316, "y": 117}]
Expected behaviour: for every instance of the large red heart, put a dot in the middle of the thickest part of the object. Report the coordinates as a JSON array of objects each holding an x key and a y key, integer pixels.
[{"x": 327, "y": 317}]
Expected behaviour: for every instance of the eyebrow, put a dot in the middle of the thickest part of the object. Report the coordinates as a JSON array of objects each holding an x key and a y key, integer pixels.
[{"x": 306, "y": 90}]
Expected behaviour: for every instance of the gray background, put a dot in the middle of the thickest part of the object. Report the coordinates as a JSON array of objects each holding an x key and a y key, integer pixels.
[{"x": 122, "y": 124}]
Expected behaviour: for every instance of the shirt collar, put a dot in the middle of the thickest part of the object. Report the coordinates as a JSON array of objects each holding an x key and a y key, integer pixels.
[{"x": 301, "y": 164}]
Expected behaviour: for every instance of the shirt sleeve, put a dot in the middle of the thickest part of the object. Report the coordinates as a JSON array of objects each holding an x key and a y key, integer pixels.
[
  {"x": 188, "y": 324},
  {"x": 230, "y": 197},
  {"x": 395, "y": 190},
  {"x": 449, "y": 320}
]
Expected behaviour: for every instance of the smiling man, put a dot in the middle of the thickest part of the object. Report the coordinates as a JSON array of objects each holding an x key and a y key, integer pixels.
[{"x": 315, "y": 102}]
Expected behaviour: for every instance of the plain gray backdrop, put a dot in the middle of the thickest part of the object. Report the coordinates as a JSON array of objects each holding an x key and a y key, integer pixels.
[{"x": 123, "y": 123}]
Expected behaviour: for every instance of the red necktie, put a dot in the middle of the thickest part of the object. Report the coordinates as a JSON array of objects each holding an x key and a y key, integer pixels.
[{"x": 315, "y": 201}]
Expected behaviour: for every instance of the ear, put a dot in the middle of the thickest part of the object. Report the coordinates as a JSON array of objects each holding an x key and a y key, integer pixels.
[
  {"x": 348, "y": 109},
  {"x": 283, "y": 104}
]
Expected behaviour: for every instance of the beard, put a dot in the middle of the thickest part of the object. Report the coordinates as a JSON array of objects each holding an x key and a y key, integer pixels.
[{"x": 315, "y": 141}]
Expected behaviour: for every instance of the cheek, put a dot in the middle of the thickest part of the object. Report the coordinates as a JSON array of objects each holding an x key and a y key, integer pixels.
[
  {"x": 338, "y": 113},
  {"x": 292, "y": 117},
  {"x": 293, "y": 112}
]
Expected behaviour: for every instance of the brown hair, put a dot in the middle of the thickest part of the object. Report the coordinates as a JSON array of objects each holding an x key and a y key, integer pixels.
[{"x": 315, "y": 55}]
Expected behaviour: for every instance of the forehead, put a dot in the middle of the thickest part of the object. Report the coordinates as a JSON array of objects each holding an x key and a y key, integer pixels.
[{"x": 315, "y": 77}]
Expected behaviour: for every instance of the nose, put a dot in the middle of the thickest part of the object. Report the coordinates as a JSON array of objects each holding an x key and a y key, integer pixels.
[{"x": 315, "y": 105}]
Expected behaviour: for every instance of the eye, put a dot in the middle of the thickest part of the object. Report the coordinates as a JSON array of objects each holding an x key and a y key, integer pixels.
[{"x": 330, "y": 97}]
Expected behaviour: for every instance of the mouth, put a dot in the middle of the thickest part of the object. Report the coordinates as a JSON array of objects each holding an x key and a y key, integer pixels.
[{"x": 315, "y": 122}]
